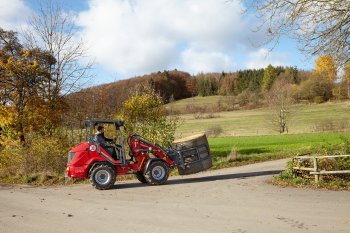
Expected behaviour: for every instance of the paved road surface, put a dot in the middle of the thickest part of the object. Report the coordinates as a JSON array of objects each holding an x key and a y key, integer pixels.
[{"x": 228, "y": 200}]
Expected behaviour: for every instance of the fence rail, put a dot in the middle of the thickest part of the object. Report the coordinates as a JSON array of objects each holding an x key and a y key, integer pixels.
[{"x": 315, "y": 170}]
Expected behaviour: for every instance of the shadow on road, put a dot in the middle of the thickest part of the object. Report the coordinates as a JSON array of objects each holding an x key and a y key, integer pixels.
[{"x": 202, "y": 179}]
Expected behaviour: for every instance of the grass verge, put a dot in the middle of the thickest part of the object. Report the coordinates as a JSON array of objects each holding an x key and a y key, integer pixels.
[{"x": 286, "y": 180}]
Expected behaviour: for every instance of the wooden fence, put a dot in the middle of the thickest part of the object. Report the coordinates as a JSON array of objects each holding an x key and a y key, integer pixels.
[{"x": 315, "y": 170}]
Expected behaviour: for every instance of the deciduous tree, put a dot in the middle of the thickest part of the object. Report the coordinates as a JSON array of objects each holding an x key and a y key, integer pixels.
[
  {"x": 23, "y": 77},
  {"x": 52, "y": 28},
  {"x": 145, "y": 114},
  {"x": 278, "y": 98},
  {"x": 346, "y": 77},
  {"x": 270, "y": 75},
  {"x": 324, "y": 65}
]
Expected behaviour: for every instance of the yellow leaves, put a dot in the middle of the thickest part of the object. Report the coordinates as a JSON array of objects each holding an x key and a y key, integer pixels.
[
  {"x": 347, "y": 70},
  {"x": 23, "y": 65},
  {"x": 269, "y": 77},
  {"x": 325, "y": 65},
  {"x": 142, "y": 106},
  {"x": 34, "y": 64},
  {"x": 25, "y": 53},
  {"x": 7, "y": 115},
  {"x": 8, "y": 119},
  {"x": 145, "y": 115},
  {"x": 10, "y": 60}
]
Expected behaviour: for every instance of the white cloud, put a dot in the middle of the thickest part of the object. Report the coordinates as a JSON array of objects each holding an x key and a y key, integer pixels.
[
  {"x": 136, "y": 36},
  {"x": 13, "y": 14},
  {"x": 263, "y": 57},
  {"x": 199, "y": 61}
]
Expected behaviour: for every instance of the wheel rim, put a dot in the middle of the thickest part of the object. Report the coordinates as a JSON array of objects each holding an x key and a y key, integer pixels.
[
  {"x": 102, "y": 177},
  {"x": 158, "y": 172}
]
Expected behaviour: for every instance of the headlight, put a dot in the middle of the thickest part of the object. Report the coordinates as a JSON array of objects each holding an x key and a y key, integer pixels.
[{"x": 70, "y": 156}]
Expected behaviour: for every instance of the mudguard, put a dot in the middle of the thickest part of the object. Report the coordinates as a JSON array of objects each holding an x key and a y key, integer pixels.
[{"x": 149, "y": 162}]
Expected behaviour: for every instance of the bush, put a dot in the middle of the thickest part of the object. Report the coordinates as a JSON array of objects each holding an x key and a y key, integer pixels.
[
  {"x": 191, "y": 108},
  {"x": 200, "y": 115},
  {"x": 329, "y": 125},
  {"x": 318, "y": 99},
  {"x": 249, "y": 99},
  {"x": 145, "y": 115},
  {"x": 40, "y": 156},
  {"x": 315, "y": 89},
  {"x": 298, "y": 177},
  {"x": 214, "y": 131}
]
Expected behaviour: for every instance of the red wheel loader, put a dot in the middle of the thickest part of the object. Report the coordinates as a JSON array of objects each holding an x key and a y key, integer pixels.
[{"x": 149, "y": 162}]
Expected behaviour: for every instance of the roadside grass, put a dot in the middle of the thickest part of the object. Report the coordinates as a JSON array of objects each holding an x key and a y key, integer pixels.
[
  {"x": 35, "y": 179},
  {"x": 286, "y": 180}
]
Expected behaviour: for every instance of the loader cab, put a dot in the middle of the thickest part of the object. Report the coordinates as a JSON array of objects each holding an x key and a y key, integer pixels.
[
  {"x": 92, "y": 127},
  {"x": 113, "y": 130}
]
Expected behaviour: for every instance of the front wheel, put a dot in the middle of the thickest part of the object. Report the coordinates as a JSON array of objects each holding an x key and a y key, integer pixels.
[
  {"x": 141, "y": 177},
  {"x": 102, "y": 177},
  {"x": 157, "y": 173}
]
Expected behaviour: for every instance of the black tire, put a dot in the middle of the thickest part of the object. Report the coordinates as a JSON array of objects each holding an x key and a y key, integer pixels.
[
  {"x": 102, "y": 177},
  {"x": 141, "y": 177},
  {"x": 157, "y": 173}
]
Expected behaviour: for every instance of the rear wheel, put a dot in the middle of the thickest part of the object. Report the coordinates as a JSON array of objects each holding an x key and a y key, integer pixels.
[
  {"x": 102, "y": 177},
  {"x": 157, "y": 173},
  {"x": 141, "y": 177}
]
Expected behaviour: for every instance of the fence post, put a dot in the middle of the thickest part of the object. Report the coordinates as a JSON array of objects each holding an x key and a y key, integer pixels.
[
  {"x": 294, "y": 173},
  {"x": 316, "y": 170}
]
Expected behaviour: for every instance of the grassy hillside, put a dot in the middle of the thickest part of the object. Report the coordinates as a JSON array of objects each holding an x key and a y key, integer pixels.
[
  {"x": 198, "y": 101},
  {"x": 304, "y": 118}
]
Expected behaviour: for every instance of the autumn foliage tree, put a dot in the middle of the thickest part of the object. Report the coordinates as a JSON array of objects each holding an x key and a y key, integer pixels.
[
  {"x": 320, "y": 84},
  {"x": 270, "y": 75},
  {"x": 325, "y": 65},
  {"x": 23, "y": 73},
  {"x": 145, "y": 114}
]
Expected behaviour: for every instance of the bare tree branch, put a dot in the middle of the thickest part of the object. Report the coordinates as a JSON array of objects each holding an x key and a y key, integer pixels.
[
  {"x": 321, "y": 26},
  {"x": 53, "y": 29}
]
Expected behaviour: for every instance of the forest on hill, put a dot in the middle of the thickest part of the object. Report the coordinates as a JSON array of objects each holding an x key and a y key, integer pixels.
[{"x": 250, "y": 88}]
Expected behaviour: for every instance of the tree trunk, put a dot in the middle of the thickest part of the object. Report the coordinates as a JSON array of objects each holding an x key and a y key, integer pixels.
[{"x": 21, "y": 132}]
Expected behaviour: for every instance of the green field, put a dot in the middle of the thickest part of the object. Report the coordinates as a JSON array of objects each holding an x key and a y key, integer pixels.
[
  {"x": 303, "y": 118},
  {"x": 248, "y": 136},
  {"x": 260, "y": 148}
]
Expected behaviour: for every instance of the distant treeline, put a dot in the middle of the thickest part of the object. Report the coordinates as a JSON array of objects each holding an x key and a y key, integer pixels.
[
  {"x": 104, "y": 101},
  {"x": 248, "y": 86}
]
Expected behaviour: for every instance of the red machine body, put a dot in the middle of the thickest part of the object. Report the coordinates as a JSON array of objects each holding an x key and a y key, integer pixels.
[
  {"x": 86, "y": 154},
  {"x": 148, "y": 161}
]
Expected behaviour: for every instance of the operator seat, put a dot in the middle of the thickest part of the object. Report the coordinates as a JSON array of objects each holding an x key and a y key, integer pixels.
[{"x": 112, "y": 150}]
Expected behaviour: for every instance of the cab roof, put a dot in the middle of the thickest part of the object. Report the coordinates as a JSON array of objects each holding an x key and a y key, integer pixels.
[{"x": 94, "y": 122}]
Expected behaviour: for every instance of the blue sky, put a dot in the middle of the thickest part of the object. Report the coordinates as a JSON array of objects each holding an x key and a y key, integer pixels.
[{"x": 127, "y": 38}]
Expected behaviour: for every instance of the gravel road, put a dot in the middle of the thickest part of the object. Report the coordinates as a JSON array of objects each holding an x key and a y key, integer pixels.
[{"x": 231, "y": 200}]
